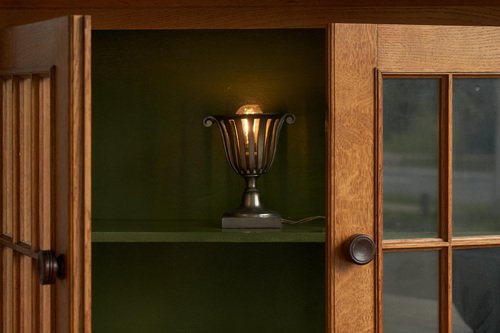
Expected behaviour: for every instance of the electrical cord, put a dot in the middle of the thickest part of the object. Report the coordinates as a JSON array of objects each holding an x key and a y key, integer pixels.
[{"x": 304, "y": 220}]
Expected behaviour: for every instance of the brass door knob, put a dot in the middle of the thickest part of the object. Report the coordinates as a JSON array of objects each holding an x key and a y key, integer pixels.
[
  {"x": 361, "y": 249},
  {"x": 50, "y": 267}
]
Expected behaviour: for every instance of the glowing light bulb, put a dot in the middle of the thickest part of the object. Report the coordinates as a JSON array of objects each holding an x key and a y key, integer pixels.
[{"x": 249, "y": 109}]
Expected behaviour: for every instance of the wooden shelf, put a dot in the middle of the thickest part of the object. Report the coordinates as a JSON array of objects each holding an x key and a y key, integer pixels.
[{"x": 167, "y": 231}]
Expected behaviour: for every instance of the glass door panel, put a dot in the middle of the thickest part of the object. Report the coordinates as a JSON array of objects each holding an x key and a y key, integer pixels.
[
  {"x": 440, "y": 201},
  {"x": 476, "y": 156},
  {"x": 411, "y": 293},
  {"x": 410, "y": 157},
  {"x": 476, "y": 289}
]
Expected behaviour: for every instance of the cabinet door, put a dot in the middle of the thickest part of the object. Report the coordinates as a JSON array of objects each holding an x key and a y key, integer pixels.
[
  {"x": 45, "y": 205},
  {"x": 414, "y": 163}
]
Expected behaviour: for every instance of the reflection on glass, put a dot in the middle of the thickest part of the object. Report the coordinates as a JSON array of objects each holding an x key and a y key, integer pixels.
[
  {"x": 411, "y": 292},
  {"x": 476, "y": 289},
  {"x": 476, "y": 156},
  {"x": 410, "y": 158}
]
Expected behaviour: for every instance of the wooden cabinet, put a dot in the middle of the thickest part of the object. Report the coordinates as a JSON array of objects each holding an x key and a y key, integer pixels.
[{"x": 158, "y": 181}]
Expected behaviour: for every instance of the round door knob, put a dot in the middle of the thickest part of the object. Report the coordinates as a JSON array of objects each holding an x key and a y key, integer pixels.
[
  {"x": 361, "y": 249},
  {"x": 50, "y": 267}
]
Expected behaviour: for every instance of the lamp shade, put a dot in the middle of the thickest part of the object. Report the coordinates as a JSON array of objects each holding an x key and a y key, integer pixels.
[{"x": 250, "y": 140}]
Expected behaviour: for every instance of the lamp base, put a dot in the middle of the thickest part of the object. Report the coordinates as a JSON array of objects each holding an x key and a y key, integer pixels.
[
  {"x": 251, "y": 214},
  {"x": 244, "y": 222}
]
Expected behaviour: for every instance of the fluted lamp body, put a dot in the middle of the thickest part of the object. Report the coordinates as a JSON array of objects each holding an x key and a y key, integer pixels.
[{"x": 250, "y": 140}]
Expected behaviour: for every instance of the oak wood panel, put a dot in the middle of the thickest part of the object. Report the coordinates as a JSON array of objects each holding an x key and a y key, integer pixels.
[
  {"x": 352, "y": 175},
  {"x": 14, "y": 150},
  {"x": 438, "y": 243},
  {"x": 16, "y": 316},
  {"x": 330, "y": 180},
  {"x": 23, "y": 150},
  {"x": 476, "y": 241},
  {"x": 379, "y": 204},
  {"x": 258, "y": 16},
  {"x": 25, "y": 294},
  {"x": 10, "y": 296},
  {"x": 25, "y": 163},
  {"x": 86, "y": 164},
  {"x": 7, "y": 167},
  {"x": 7, "y": 289},
  {"x": 445, "y": 202},
  {"x": 46, "y": 203},
  {"x": 413, "y": 244},
  {"x": 445, "y": 157},
  {"x": 438, "y": 48},
  {"x": 80, "y": 133}
]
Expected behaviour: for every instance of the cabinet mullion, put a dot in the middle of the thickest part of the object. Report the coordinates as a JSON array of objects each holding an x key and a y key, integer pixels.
[{"x": 445, "y": 202}]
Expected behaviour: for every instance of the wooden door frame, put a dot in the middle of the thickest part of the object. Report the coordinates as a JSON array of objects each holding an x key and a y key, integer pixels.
[{"x": 350, "y": 175}]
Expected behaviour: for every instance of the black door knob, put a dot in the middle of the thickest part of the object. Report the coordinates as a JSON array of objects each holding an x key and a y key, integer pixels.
[
  {"x": 50, "y": 267},
  {"x": 361, "y": 249}
]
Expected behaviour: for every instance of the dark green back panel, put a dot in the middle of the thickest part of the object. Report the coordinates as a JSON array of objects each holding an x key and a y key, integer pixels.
[
  {"x": 153, "y": 160},
  {"x": 208, "y": 288},
  {"x": 152, "y": 157}
]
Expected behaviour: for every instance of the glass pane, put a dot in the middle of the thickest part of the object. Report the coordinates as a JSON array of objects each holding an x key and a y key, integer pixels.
[
  {"x": 410, "y": 167},
  {"x": 476, "y": 156},
  {"x": 476, "y": 290},
  {"x": 411, "y": 292}
]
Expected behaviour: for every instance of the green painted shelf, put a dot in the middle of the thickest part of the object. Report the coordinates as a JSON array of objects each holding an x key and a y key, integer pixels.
[{"x": 167, "y": 231}]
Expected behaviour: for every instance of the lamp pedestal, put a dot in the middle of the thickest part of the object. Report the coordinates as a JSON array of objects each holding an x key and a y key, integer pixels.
[{"x": 251, "y": 214}]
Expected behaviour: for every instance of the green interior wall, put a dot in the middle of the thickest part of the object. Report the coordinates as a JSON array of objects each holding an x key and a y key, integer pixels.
[
  {"x": 152, "y": 157},
  {"x": 154, "y": 161},
  {"x": 205, "y": 288}
]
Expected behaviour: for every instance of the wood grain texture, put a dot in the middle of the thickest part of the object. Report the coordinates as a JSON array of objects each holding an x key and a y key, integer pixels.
[
  {"x": 46, "y": 203},
  {"x": 7, "y": 157},
  {"x": 14, "y": 151},
  {"x": 22, "y": 175},
  {"x": 219, "y": 3},
  {"x": 257, "y": 16},
  {"x": 42, "y": 122},
  {"x": 439, "y": 48},
  {"x": 414, "y": 244},
  {"x": 87, "y": 173},
  {"x": 445, "y": 202},
  {"x": 80, "y": 223},
  {"x": 353, "y": 125},
  {"x": 330, "y": 188},
  {"x": 379, "y": 208},
  {"x": 445, "y": 157},
  {"x": 476, "y": 241},
  {"x": 343, "y": 186},
  {"x": 25, "y": 294},
  {"x": 25, "y": 163},
  {"x": 7, "y": 289}
]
